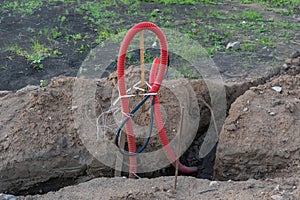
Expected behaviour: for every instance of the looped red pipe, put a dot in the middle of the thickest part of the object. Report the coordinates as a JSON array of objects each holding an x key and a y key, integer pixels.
[{"x": 156, "y": 77}]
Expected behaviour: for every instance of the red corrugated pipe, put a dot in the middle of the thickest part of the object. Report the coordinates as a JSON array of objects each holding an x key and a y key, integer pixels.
[{"x": 156, "y": 77}]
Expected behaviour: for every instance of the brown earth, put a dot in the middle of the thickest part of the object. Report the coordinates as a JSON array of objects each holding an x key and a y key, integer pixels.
[
  {"x": 260, "y": 137},
  {"x": 187, "y": 188},
  {"x": 40, "y": 145},
  {"x": 41, "y": 149}
]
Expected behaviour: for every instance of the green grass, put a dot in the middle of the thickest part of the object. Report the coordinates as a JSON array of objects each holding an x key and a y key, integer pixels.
[
  {"x": 100, "y": 16},
  {"x": 168, "y": 2},
  {"x": 28, "y": 6},
  {"x": 290, "y": 5},
  {"x": 35, "y": 55},
  {"x": 252, "y": 15},
  {"x": 24, "y": 7},
  {"x": 274, "y": 3}
]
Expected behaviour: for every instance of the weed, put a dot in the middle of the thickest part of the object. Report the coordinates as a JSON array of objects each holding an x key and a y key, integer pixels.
[
  {"x": 215, "y": 14},
  {"x": 55, "y": 34},
  {"x": 167, "y": 24},
  {"x": 200, "y": 14},
  {"x": 81, "y": 48},
  {"x": 23, "y": 7},
  {"x": 168, "y": 2},
  {"x": 39, "y": 53},
  {"x": 43, "y": 83},
  {"x": 16, "y": 49},
  {"x": 62, "y": 19},
  {"x": 250, "y": 15},
  {"x": 266, "y": 41},
  {"x": 35, "y": 56},
  {"x": 76, "y": 36},
  {"x": 82, "y": 70},
  {"x": 103, "y": 35},
  {"x": 97, "y": 67},
  {"x": 134, "y": 8},
  {"x": 248, "y": 46},
  {"x": 290, "y": 5}
]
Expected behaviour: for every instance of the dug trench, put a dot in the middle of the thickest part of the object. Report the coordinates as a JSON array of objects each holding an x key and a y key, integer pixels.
[{"x": 41, "y": 149}]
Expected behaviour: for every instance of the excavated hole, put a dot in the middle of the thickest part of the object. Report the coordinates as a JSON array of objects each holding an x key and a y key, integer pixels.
[{"x": 190, "y": 157}]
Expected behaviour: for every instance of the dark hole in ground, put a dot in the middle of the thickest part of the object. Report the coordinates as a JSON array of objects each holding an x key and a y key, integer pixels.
[
  {"x": 53, "y": 184},
  {"x": 205, "y": 172}
]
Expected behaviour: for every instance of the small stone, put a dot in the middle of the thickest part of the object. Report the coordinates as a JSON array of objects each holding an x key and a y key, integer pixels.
[
  {"x": 214, "y": 184},
  {"x": 170, "y": 191},
  {"x": 163, "y": 189},
  {"x": 180, "y": 22},
  {"x": 157, "y": 10},
  {"x": 277, "y": 197},
  {"x": 285, "y": 66},
  {"x": 260, "y": 185},
  {"x": 234, "y": 45},
  {"x": 277, "y": 188},
  {"x": 245, "y": 109},
  {"x": 76, "y": 156},
  {"x": 4, "y": 93},
  {"x": 290, "y": 107},
  {"x": 296, "y": 61},
  {"x": 272, "y": 113},
  {"x": 28, "y": 88},
  {"x": 7, "y": 196},
  {"x": 295, "y": 54},
  {"x": 156, "y": 189},
  {"x": 288, "y": 61},
  {"x": 231, "y": 127},
  {"x": 154, "y": 44},
  {"x": 277, "y": 89}
]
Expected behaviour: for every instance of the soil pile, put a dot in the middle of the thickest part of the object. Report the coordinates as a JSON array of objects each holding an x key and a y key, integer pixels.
[
  {"x": 39, "y": 142},
  {"x": 260, "y": 137},
  {"x": 187, "y": 188}
]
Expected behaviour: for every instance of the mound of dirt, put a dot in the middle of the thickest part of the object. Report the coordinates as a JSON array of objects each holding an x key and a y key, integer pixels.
[
  {"x": 187, "y": 188},
  {"x": 39, "y": 142},
  {"x": 261, "y": 135}
]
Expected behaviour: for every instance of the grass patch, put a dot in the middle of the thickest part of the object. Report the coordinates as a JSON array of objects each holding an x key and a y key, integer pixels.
[
  {"x": 290, "y": 5},
  {"x": 274, "y": 3},
  {"x": 35, "y": 55},
  {"x": 252, "y": 15},
  {"x": 24, "y": 7}
]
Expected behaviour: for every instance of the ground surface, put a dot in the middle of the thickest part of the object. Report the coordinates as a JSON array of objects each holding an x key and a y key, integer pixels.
[
  {"x": 187, "y": 188},
  {"x": 44, "y": 39}
]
